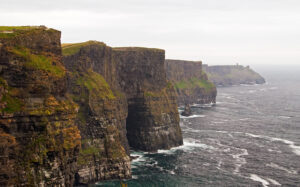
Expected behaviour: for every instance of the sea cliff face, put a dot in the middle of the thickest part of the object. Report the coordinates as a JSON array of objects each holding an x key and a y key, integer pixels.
[
  {"x": 153, "y": 119},
  {"x": 102, "y": 114},
  {"x": 228, "y": 75},
  {"x": 191, "y": 83},
  {"x": 39, "y": 141},
  {"x": 69, "y": 119}
]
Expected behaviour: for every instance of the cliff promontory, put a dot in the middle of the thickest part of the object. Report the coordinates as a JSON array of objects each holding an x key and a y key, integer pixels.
[
  {"x": 39, "y": 141},
  {"x": 228, "y": 75},
  {"x": 102, "y": 112},
  {"x": 190, "y": 82},
  {"x": 153, "y": 119}
]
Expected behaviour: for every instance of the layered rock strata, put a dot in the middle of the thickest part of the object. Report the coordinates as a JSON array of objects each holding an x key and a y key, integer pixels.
[
  {"x": 191, "y": 83},
  {"x": 67, "y": 120},
  {"x": 228, "y": 75},
  {"x": 39, "y": 141},
  {"x": 153, "y": 119},
  {"x": 102, "y": 114}
]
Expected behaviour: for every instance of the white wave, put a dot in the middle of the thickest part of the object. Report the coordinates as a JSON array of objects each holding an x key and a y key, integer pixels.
[
  {"x": 135, "y": 177},
  {"x": 291, "y": 144},
  {"x": 284, "y": 117},
  {"x": 240, "y": 160},
  {"x": 274, "y": 182},
  {"x": 139, "y": 157},
  {"x": 190, "y": 130},
  {"x": 264, "y": 182},
  {"x": 188, "y": 144},
  {"x": 208, "y": 105},
  {"x": 275, "y": 166},
  {"x": 192, "y": 116},
  {"x": 244, "y": 119}
]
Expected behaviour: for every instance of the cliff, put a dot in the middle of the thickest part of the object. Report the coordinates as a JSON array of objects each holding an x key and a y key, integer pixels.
[
  {"x": 228, "y": 75},
  {"x": 102, "y": 114},
  {"x": 39, "y": 141},
  {"x": 190, "y": 82},
  {"x": 153, "y": 119},
  {"x": 69, "y": 119}
]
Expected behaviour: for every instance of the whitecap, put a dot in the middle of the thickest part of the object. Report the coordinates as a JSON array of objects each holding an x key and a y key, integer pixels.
[
  {"x": 188, "y": 144},
  {"x": 284, "y": 117},
  {"x": 240, "y": 160},
  {"x": 291, "y": 144},
  {"x": 274, "y": 182},
  {"x": 192, "y": 116},
  {"x": 264, "y": 182},
  {"x": 275, "y": 166}
]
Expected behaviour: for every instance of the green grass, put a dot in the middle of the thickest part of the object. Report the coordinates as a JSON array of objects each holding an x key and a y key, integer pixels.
[
  {"x": 71, "y": 49},
  {"x": 194, "y": 82},
  {"x": 12, "y": 104},
  {"x": 95, "y": 83},
  {"x": 39, "y": 62},
  {"x": 12, "y": 31},
  {"x": 15, "y": 28}
]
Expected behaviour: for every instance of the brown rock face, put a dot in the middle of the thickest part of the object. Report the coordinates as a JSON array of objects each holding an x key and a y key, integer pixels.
[
  {"x": 67, "y": 121},
  {"x": 102, "y": 114},
  {"x": 39, "y": 141},
  {"x": 153, "y": 119},
  {"x": 190, "y": 82}
]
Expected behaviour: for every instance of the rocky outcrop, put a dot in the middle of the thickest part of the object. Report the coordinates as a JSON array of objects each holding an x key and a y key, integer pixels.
[
  {"x": 153, "y": 119},
  {"x": 39, "y": 141},
  {"x": 228, "y": 75},
  {"x": 102, "y": 114},
  {"x": 187, "y": 110},
  {"x": 190, "y": 82}
]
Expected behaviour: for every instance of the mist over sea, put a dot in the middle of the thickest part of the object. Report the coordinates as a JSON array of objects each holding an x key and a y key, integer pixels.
[{"x": 251, "y": 137}]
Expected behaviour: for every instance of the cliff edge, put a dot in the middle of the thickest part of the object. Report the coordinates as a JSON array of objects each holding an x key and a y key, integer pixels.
[{"x": 39, "y": 141}]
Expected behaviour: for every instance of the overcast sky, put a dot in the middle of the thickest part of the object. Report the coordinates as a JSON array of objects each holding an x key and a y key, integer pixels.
[{"x": 248, "y": 32}]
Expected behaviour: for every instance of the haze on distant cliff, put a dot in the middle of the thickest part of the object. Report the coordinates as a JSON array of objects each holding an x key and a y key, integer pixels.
[{"x": 215, "y": 31}]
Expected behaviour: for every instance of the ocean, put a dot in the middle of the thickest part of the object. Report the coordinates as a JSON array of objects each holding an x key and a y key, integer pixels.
[{"x": 250, "y": 137}]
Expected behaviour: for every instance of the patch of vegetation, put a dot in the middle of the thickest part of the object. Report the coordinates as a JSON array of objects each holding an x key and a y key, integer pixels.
[
  {"x": 71, "y": 49},
  {"x": 194, "y": 82},
  {"x": 96, "y": 84},
  {"x": 12, "y": 104},
  {"x": 12, "y": 31},
  {"x": 88, "y": 152},
  {"x": 13, "y": 28},
  {"x": 39, "y": 62}
]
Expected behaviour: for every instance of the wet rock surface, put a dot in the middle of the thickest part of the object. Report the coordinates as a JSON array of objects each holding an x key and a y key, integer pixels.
[{"x": 187, "y": 110}]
